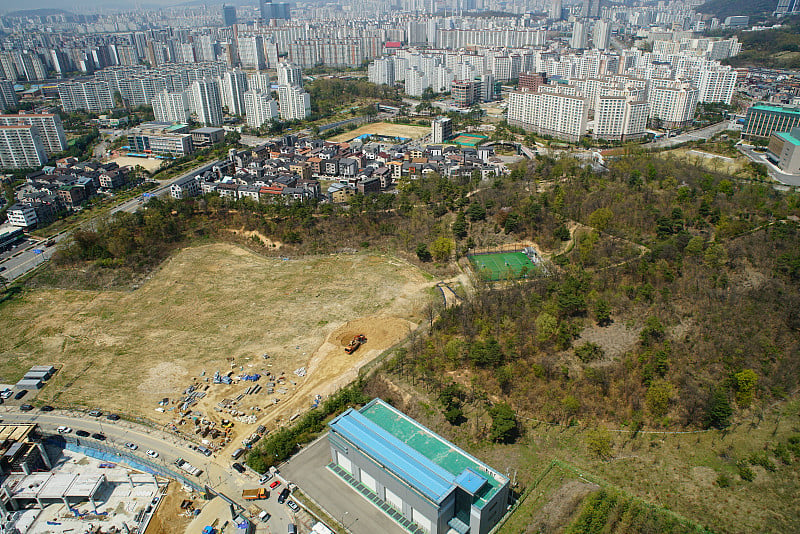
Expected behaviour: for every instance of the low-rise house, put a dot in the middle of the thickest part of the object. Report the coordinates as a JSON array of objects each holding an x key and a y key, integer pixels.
[{"x": 186, "y": 187}]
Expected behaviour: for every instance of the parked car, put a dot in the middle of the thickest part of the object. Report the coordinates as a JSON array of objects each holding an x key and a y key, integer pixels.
[
  {"x": 265, "y": 477},
  {"x": 6, "y": 393},
  {"x": 239, "y": 467},
  {"x": 293, "y": 505},
  {"x": 112, "y": 417},
  {"x": 132, "y": 446},
  {"x": 26, "y": 407},
  {"x": 151, "y": 453},
  {"x": 21, "y": 393},
  {"x": 264, "y": 516},
  {"x": 283, "y": 496},
  {"x": 95, "y": 413},
  {"x": 98, "y": 436},
  {"x": 82, "y": 433},
  {"x": 63, "y": 430},
  {"x": 46, "y": 408},
  {"x": 204, "y": 450},
  {"x": 275, "y": 484}
]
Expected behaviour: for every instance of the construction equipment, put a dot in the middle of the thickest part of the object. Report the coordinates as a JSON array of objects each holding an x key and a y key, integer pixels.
[
  {"x": 357, "y": 341},
  {"x": 255, "y": 494}
]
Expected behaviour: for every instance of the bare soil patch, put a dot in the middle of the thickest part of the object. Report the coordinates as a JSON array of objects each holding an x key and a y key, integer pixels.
[
  {"x": 384, "y": 128},
  {"x": 615, "y": 339}
]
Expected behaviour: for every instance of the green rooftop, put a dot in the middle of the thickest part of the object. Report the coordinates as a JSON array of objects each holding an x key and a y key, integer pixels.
[
  {"x": 433, "y": 447},
  {"x": 789, "y": 138},
  {"x": 776, "y": 109}
]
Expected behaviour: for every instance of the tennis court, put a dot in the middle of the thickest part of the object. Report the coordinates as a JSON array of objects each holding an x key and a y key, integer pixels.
[{"x": 503, "y": 265}]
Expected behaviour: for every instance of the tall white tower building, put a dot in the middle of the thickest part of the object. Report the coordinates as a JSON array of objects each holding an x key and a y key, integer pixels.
[
  {"x": 234, "y": 85},
  {"x": 259, "y": 108},
  {"x": 206, "y": 102},
  {"x": 289, "y": 74}
]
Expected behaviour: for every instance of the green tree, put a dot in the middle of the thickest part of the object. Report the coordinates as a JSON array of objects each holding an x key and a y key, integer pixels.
[
  {"x": 746, "y": 382},
  {"x": 460, "y": 226},
  {"x": 601, "y": 218},
  {"x": 476, "y": 212},
  {"x": 598, "y": 441},
  {"x": 695, "y": 246},
  {"x": 423, "y": 253},
  {"x": 571, "y": 406},
  {"x": 602, "y": 312},
  {"x": 442, "y": 248},
  {"x": 505, "y": 428},
  {"x": 658, "y": 397},
  {"x": 718, "y": 411}
]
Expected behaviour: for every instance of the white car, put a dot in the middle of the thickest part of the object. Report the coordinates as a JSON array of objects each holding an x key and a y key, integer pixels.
[
  {"x": 64, "y": 430},
  {"x": 132, "y": 446},
  {"x": 151, "y": 453}
]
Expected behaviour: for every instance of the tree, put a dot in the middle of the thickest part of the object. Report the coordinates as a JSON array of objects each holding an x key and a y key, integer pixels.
[
  {"x": 3, "y": 282},
  {"x": 476, "y": 212},
  {"x": 718, "y": 411},
  {"x": 601, "y": 218},
  {"x": 658, "y": 397},
  {"x": 423, "y": 253},
  {"x": 602, "y": 312},
  {"x": 745, "y": 387},
  {"x": 460, "y": 226},
  {"x": 598, "y": 441},
  {"x": 442, "y": 248},
  {"x": 504, "y": 424}
]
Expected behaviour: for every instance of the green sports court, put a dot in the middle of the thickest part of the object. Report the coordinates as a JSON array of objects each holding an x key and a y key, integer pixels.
[{"x": 503, "y": 265}]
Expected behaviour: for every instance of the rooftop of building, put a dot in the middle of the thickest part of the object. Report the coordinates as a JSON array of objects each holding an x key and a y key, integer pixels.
[
  {"x": 776, "y": 109},
  {"x": 425, "y": 460},
  {"x": 789, "y": 137}
]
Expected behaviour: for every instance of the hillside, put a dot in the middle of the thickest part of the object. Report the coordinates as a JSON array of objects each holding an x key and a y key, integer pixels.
[
  {"x": 779, "y": 48},
  {"x": 728, "y": 8}
]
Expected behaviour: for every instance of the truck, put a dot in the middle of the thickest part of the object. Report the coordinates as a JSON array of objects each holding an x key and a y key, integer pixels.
[
  {"x": 255, "y": 494},
  {"x": 357, "y": 341},
  {"x": 189, "y": 468}
]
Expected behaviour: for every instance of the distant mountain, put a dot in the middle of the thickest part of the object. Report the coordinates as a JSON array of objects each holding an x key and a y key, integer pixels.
[
  {"x": 37, "y": 13},
  {"x": 729, "y": 8}
]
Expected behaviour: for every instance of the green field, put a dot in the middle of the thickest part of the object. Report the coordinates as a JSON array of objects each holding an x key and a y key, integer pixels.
[{"x": 502, "y": 266}]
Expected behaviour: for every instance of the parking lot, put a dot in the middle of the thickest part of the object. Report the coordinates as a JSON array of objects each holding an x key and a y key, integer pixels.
[{"x": 307, "y": 470}]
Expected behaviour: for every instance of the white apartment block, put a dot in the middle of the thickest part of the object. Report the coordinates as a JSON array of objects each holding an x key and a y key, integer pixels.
[
  {"x": 8, "y": 97},
  {"x": 381, "y": 71},
  {"x": 171, "y": 107},
  {"x": 562, "y": 116},
  {"x": 295, "y": 103},
  {"x": 22, "y": 215},
  {"x": 416, "y": 82},
  {"x": 90, "y": 95},
  {"x": 251, "y": 52},
  {"x": 601, "y": 34},
  {"x": 260, "y": 108},
  {"x": 48, "y": 127},
  {"x": 233, "y": 85},
  {"x": 205, "y": 102},
  {"x": 290, "y": 74},
  {"x": 258, "y": 81},
  {"x": 672, "y": 102},
  {"x": 716, "y": 85},
  {"x": 21, "y": 147},
  {"x": 619, "y": 117}
]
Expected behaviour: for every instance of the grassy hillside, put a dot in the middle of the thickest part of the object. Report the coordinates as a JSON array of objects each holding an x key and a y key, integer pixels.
[
  {"x": 728, "y": 8},
  {"x": 778, "y": 48}
]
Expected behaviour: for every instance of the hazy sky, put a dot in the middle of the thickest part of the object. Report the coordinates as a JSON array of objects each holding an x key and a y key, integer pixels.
[{"x": 79, "y": 6}]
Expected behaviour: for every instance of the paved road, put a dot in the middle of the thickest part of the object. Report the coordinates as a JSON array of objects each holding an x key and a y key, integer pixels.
[
  {"x": 25, "y": 259},
  {"x": 307, "y": 470},
  {"x": 217, "y": 473},
  {"x": 775, "y": 172},
  {"x": 701, "y": 134}
]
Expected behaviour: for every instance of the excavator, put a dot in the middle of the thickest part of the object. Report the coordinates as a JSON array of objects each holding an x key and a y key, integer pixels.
[{"x": 357, "y": 341}]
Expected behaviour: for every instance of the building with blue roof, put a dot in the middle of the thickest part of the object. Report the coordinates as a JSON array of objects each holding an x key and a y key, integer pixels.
[{"x": 428, "y": 482}]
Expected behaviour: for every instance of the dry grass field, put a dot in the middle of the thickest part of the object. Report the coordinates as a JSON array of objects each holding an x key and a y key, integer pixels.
[
  {"x": 709, "y": 160},
  {"x": 384, "y": 128},
  {"x": 208, "y": 308}
]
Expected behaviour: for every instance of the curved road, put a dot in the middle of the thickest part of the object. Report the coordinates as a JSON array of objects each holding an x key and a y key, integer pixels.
[{"x": 217, "y": 473}]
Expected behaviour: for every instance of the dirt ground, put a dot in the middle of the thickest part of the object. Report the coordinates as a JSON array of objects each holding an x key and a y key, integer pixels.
[
  {"x": 384, "y": 128},
  {"x": 169, "y": 518},
  {"x": 150, "y": 164},
  {"x": 214, "y": 308}
]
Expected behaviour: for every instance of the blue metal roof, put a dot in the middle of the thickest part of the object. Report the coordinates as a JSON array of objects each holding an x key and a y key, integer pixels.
[
  {"x": 471, "y": 481},
  {"x": 433, "y": 481}
]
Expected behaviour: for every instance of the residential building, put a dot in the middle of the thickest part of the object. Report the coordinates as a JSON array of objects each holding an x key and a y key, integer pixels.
[
  {"x": 251, "y": 52},
  {"x": 441, "y": 129},
  {"x": 186, "y": 187},
  {"x": 276, "y": 10},
  {"x": 546, "y": 112},
  {"x": 205, "y": 102},
  {"x": 228, "y": 15},
  {"x": 578, "y": 39},
  {"x": 234, "y": 84},
  {"x": 672, "y": 102},
  {"x": 716, "y": 84},
  {"x": 601, "y": 34},
  {"x": 438, "y": 486},
  {"x": 530, "y": 81},
  {"x": 89, "y": 95},
  {"x": 8, "y": 97},
  {"x": 260, "y": 108},
  {"x": 171, "y": 107},
  {"x": 554, "y": 13},
  {"x": 466, "y": 92},
  {"x": 22, "y": 215},
  {"x": 290, "y": 74},
  {"x": 764, "y": 119},
  {"x": 620, "y": 117},
  {"x": 295, "y": 103},
  {"x": 381, "y": 71},
  {"x": 21, "y": 147},
  {"x": 48, "y": 125}
]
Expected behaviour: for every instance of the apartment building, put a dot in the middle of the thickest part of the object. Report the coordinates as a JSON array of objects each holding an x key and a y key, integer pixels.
[
  {"x": 48, "y": 126},
  {"x": 620, "y": 117},
  {"x": 8, "y": 97},
  {"x": 381, "y": 71},
  {"x": 251, "y": 52},
  {"x": 234, "y": 85},
  {"x": 260, "y": 108},
  {"x": 672, "y": 102},
  {"x": 205, "y": 102},
  {"x": 716, "y": 84},
  {"x": 466, "y": 92},
  {"x": 171, "y": 107},
  {"x": 21, "y": 147},
  {"x": 88, "y": 95},
  {"x": 290, "y": 74},
  {"x": 295, "y": 103},
  {"x": 549, "y": 112},
  {"x": 441, "y": 129}
]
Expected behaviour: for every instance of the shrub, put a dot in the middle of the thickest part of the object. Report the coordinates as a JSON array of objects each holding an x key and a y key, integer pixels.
[
  {"x": 723, "y": 480},
  {"x": 745, "y": 471},
  {"x": 589, "y": 352},
  {"x": 761, "y": 458},
  {"x": 598, "y": 441}
]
